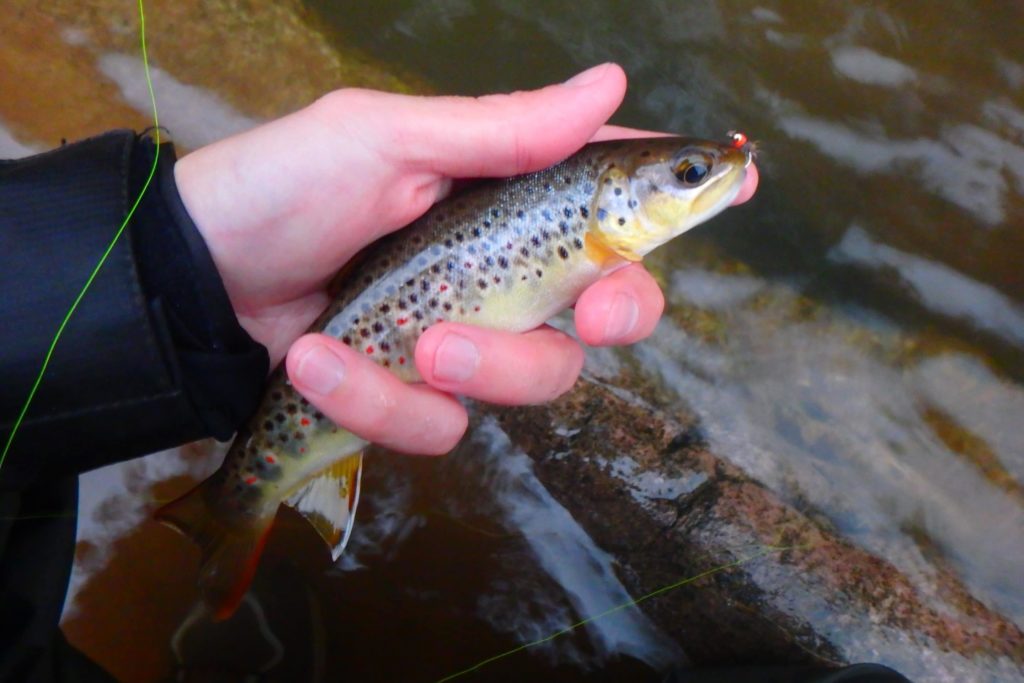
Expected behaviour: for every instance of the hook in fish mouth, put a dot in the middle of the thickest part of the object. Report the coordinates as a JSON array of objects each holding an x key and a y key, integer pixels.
[{"x": 745, "y": 145}]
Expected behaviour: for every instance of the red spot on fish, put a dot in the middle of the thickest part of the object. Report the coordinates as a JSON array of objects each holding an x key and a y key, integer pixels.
[
  {"x": 250, "y": 480},
  {"x": 440, "y": 320},
  {"x": 443, "y": 288},
  {"x": 369, "y": 350},
  {"x": 304, "y": 422},
  {"x": 302, "y": 450},
  {"x": 401, "y": 360},
  {"x": 402, "y": 321},
  {"x": 269, "y": 458}
]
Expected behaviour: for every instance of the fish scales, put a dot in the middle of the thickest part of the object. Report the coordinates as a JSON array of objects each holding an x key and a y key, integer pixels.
[{"x": 507, "y": 255}]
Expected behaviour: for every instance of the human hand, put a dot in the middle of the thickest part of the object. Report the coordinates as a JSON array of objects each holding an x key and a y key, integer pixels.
[{"x": 283, "y": 206}]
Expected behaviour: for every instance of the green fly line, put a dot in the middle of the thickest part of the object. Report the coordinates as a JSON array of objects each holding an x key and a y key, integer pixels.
[
  {"x": 106, "y": 253},
  {"x": 618, "y": 608}
]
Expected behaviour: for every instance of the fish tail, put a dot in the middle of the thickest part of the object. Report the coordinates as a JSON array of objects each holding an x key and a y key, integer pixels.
[{"x": 230, "y": 552}]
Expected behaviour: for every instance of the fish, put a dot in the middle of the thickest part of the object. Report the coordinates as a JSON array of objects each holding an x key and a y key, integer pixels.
[{"x": 507, "y": 254}]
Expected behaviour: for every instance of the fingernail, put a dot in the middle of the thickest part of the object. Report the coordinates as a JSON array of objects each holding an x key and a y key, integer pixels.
[
  {"x": 321, "y": 370},
  {"x": 456, "y": 359},
  {"x": 622, "y": 317},
  {"x": 591, "y": 75}
]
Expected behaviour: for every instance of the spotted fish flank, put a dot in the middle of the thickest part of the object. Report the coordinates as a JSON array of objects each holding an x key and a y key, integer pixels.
[{"x": 507, "y": 255}]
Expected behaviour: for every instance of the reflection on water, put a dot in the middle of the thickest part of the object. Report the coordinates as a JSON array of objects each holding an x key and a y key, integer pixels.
[
  {"x": 824, "y": 407},
  {"x": 853, "y": 338},
  {"x": 939, "y": 287}
]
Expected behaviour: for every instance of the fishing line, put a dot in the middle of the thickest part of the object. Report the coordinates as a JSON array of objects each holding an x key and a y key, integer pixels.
[
  {"x": 106, "y": 253},
  {"x": 631, "y": 603}
]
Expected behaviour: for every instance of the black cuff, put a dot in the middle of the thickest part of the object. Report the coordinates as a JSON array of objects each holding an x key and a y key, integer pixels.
[{"x": 153, "y": 356}]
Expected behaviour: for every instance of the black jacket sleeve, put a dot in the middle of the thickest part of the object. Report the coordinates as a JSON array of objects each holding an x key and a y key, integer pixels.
[{"x": 152, "y": 357}]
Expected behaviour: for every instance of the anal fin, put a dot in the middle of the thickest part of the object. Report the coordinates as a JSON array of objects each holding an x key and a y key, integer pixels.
[{"x": 328, "y": 501}]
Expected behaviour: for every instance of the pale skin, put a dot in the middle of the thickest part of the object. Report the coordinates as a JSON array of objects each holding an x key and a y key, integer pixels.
[{"x": 282, "y": 207}]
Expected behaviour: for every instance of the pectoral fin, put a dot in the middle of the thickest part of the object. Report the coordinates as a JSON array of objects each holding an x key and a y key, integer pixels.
[{"x": 328, "y": 501}]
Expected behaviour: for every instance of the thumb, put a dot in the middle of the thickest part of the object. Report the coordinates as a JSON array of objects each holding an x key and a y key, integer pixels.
[{"x": 502, "y": 135}]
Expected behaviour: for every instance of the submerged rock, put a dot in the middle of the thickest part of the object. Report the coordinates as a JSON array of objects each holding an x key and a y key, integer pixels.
[{"x": 646, "y": 487}]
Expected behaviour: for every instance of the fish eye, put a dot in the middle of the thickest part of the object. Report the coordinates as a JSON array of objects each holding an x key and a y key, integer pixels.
[{"x": 691, "y": 171}]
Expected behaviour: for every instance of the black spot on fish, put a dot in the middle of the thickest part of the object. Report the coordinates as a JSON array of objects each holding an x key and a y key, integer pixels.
[
  {"x": 547, "y": 186},
  {"x": 476, "y": 232},
  {"x": 318, "y": 415},
  {"x": 497, "y": 279},
  {"x": 523, "y": 278},
  {"x": 632, "y": 203},
  {"x": 416, "y": 239},
  {"x": 567, "y": 211},
  {"x": 451, "y": 266},
  {"x": 447, "y": 307},
  {"x": 520, "y": 214},
  {"x": 535, "y": 241},
  {"x": 459, "y": 237},
  {"x": 291, "y": 408},
  {"x": 495, "y": 212},
  {"x": 607, "y": 181},
  {"x": 436, "y": 268},
  {"x": 449, "y": 244},
  {"x": 481, "y": 283},
  {"x": 622, "y": 221},
  {"x": 564, "y": 228},
  {"x": 568, "y": 180},
  {"x": 584, "y": 212},
  {"x": 503, "y": 262},
  {"x": 418, "y": 315},
  {"x": 385, "y": 347},
  {"x": 401, "y": 304},
  {"x": 268, "y": 425},
  {"x": 540, "y": 273},
  {"x": 364, "y": 333},
  {"x": 298, "y": 436},
  {"x": 489, "y": 260},
  {"x": 414, "y": 298},
  {"x": 279, "y": 418},
  {"x": 563, "y": 252},
  {"x": 283, "y": 438},
  {"x": 487, "y": 224},
  {"x": 385, "y": 308},
  {"x": 378, "y": 327},
  {"x": 432, "y": 303},
  {"x": 645, "y": 153},
  {"x": 410, "y": 283},
  {"x": 545, "y": 235},
  {"x": 578, "y": 243},
  {"x": 618, "y": 191},
  {"x": 525, "y": 252}
]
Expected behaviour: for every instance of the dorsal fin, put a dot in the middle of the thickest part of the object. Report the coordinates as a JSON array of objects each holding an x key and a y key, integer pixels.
[{"x": 328, "y": 501}]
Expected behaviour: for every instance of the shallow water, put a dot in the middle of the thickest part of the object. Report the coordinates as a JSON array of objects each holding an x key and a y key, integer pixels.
[{"x": 853, "y": 337}]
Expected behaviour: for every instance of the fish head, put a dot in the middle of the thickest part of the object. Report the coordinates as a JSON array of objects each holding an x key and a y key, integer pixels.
[{"x": 655, "y": 189}]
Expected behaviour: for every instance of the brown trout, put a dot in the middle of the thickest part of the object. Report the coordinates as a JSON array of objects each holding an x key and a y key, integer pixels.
[{"x": 508, "y": 254}]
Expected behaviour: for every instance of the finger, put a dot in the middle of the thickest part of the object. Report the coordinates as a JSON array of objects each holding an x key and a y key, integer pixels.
[
  {"x": 749, "y": 186},
  {"x": 623, "y": 133},
  {"x": 621, "y": 308},
  {"x": 499, "y": 367},
  {"x": 504, "y": 135},
  {"x": 372, "y": 403}
]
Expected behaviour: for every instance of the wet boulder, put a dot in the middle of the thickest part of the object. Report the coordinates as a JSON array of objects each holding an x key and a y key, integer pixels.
[{"x": 776, "y": 581}]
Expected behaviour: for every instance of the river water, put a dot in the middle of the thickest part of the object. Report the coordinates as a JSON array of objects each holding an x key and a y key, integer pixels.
[{"x": 853, "y": 338}]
